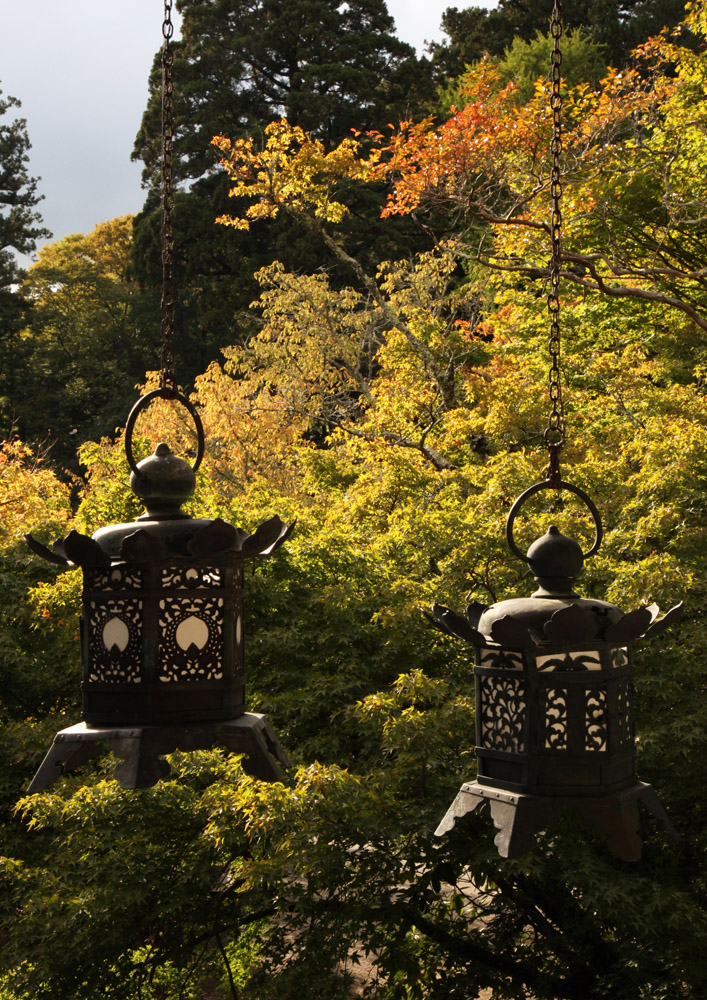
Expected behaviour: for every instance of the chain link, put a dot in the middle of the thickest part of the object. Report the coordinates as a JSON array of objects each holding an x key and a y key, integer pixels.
[
  {"x": 555, "y": 431},
  {"x": 167, "y": 372}
]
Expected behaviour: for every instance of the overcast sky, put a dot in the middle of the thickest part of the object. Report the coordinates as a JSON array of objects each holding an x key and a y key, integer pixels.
[{"x": 80, "y": 69}]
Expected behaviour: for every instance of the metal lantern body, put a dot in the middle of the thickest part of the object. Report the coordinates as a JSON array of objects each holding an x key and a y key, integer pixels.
[
  {"x": 163, "y": 643},
  {"x": 554, "y": 715},
  {"x": 162, "y": 637},
  {"x": 554, "y": 706},
  {"x": 162, "y": 633}
]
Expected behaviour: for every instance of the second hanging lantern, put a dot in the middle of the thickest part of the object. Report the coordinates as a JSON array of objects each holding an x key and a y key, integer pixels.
[{"x": 553, "y": 671}]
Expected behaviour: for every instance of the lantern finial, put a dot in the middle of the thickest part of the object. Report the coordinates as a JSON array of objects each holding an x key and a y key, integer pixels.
[
  {"x": 163, "y": 483},
  {"x": 556, "y": 561}
]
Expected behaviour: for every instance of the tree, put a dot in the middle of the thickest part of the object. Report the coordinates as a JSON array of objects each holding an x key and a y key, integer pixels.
[
  {"x": 524, "y": 63},
  {"x": 32, "y": 494},
  {"x": 238, "y": 67},
  {"x": 471, "y": 31},
  {"x": 615, "y": 25},
  {"x": 89, "y": 341},
  {"x": 20, "y": 228},
  {"x": 634, "y": 212},
  {"x": 295, "y": 176},
  {"x": 213, "y": 884}
]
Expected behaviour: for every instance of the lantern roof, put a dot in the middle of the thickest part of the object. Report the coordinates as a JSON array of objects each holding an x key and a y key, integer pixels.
[
  {"x": 529, "y": 622},
  {"x": 554, "y": 615},
  {"x": 163, "y": 482}
]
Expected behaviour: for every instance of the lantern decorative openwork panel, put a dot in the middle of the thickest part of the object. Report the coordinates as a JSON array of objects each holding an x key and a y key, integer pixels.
[
  {"x": 162, "y": 629},
  {"x": 554, "y": 700}
]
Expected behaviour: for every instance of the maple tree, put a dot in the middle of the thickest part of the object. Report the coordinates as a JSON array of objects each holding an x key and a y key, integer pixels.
[
  {"x": 634, "y": 210},
  {"x": 29, "y": 682},
  {"x": 295, "y": 174},
  {"x": 89, "y": 339},
  {"x": 237, "y": 67},
  {"x": 633, "y": 142},
  {"x": 115, "y": 891},
  {"x": 241, "y": 65}
]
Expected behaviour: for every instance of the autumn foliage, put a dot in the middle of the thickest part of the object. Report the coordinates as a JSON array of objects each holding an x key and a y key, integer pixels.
[{"x": 395, "y": 407}]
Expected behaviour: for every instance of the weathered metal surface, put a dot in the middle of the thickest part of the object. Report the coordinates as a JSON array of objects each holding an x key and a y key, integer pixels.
[
  {"x": 140, "y": 749},
  {"x": 520, "y": 818},
  {"x": 553, "y": 675},
  {"x": 162, "y": 631},
  {"x": 537, "y": 623},
  {"x": 162, "y": 618}
]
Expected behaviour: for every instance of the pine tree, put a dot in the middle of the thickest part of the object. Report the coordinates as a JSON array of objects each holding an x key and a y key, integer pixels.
[
  {"x": 20, "y": 228},
  {"x": 324, "y": 66}
]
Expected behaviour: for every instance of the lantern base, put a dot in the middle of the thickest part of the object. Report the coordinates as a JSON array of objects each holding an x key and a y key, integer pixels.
[
  {"x": 141, "y": 747},
  {"x": 519, "y": 817}
]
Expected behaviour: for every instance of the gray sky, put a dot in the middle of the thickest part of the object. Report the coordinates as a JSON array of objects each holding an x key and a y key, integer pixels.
[{"x": 80, "y": 69}]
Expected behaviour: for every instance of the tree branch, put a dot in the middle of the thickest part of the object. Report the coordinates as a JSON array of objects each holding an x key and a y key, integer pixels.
[
  {"x": 370, "y": 284},
  {"x": 520, "y": 973},
  {"x": 597, "y": 283}
]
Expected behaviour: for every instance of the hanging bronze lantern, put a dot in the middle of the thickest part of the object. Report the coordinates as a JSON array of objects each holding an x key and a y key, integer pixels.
[
  {"x": 554, "y": 700},
  {"x": 553, "y": 673},
  {"x": 162, "y": 631}
]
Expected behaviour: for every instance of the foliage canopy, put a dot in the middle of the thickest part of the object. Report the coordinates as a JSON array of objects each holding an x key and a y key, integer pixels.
[
  {"x": 617, "y": 26},
  {"x": 328, "y": 67},
  {"x": 396, "y": 413}
]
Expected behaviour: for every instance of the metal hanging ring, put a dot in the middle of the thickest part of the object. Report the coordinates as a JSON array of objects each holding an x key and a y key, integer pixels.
[
  {"x": 145, "y": 401},
  {"x": 547, "y": 484}
]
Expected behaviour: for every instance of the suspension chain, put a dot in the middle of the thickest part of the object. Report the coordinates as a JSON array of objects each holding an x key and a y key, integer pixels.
[
  {"x": 555, "y": 431},
  {"x": 167, "y": 372}
]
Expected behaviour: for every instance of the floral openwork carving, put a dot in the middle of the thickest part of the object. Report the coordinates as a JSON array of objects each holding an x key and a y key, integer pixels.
[
  {"x": 191, "y": 639},
  {"x": 115, "y": 640},
  {"x": 625, "y": 712},
  {"x": 500, "y": 659},
  {"x": 575, "y": 661},
  {"x": 556, "y": 719},
  {"x": 503, "y": 713},
  {"x": 116, "y": 578},
  {"x": 619, "y": 657},
  {"x": 191, "y": 577},
  {"x": 596, "y": 720}
]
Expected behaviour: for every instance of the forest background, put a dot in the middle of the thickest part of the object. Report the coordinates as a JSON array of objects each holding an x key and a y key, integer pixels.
[{"x": 362, "y": 265}]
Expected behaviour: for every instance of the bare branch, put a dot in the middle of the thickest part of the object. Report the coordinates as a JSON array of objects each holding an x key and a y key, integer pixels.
[{"x": 598, "y": 283}]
